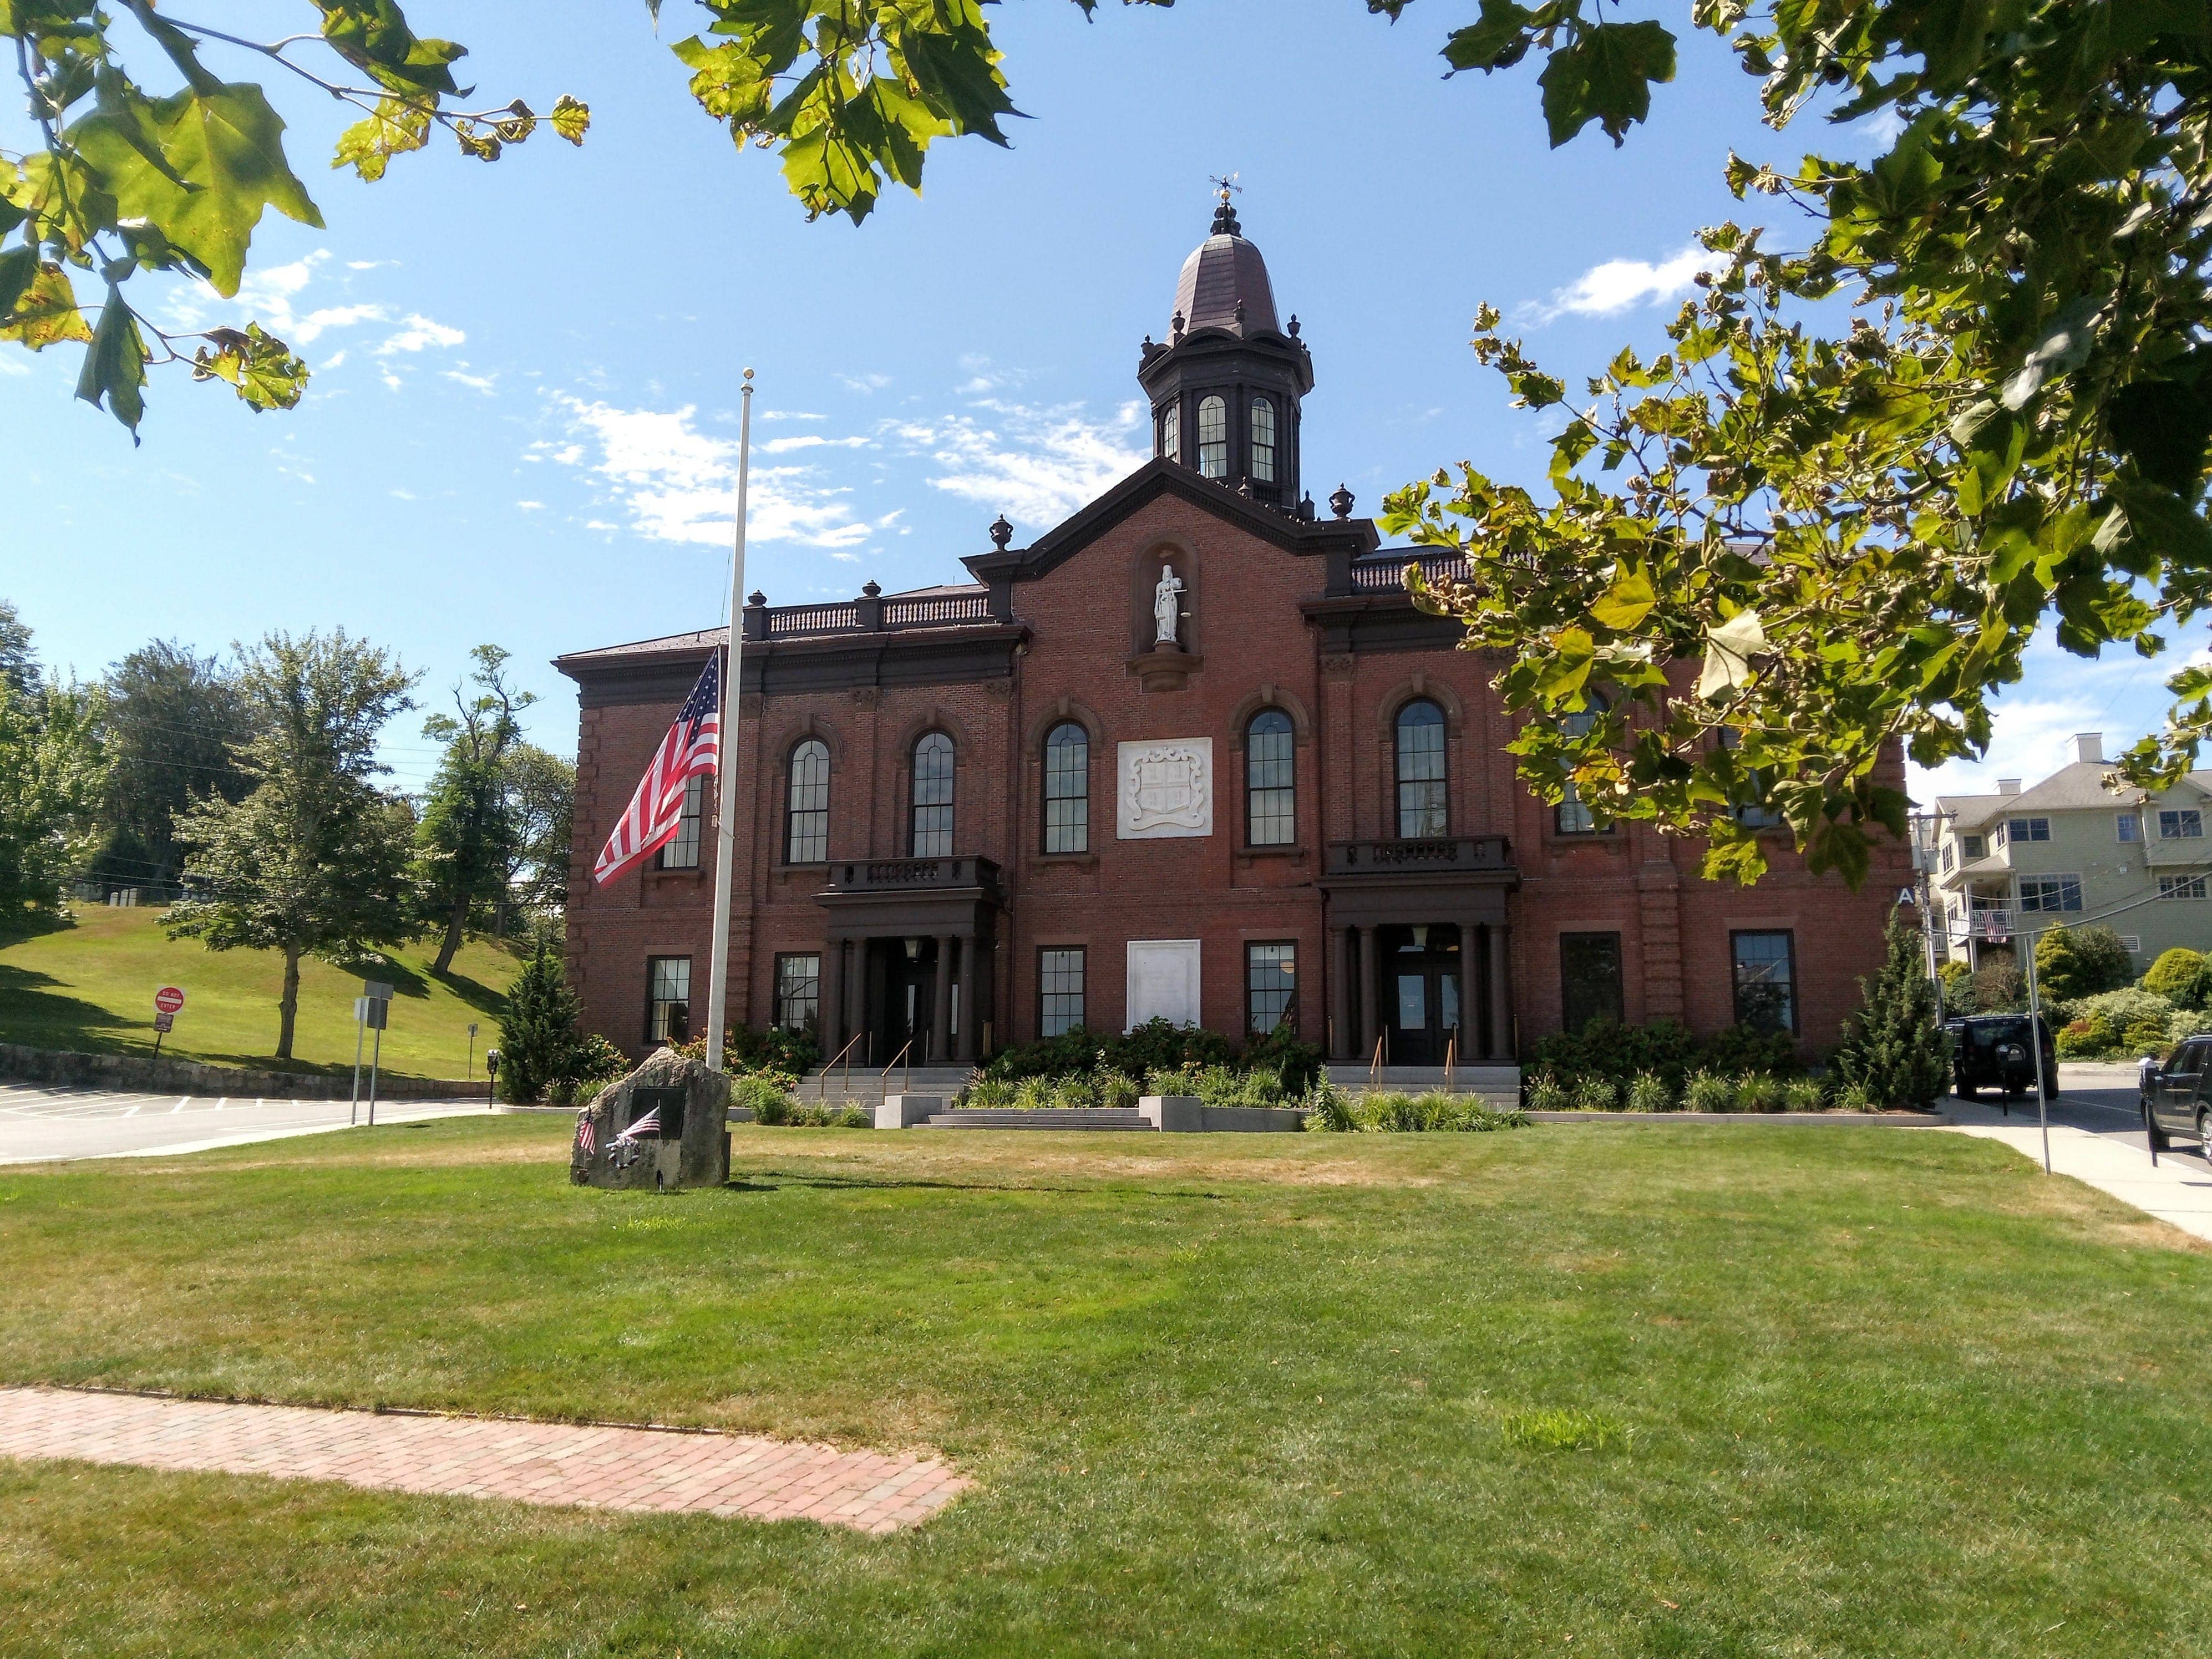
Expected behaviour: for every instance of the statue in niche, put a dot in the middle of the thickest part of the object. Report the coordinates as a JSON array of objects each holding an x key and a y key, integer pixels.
[{"x": 1167, "y": 609}]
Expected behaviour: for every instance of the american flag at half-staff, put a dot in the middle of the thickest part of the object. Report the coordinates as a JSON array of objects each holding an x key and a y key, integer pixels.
[{"x": 655, "y": 812}]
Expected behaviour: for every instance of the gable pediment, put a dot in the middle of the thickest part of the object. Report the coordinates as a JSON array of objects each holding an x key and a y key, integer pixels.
[{"x": 1160, "y": 478}]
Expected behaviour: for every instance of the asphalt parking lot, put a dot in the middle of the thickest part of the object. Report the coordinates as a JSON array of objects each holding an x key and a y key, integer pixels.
[{"x": 39, "y": 1124}]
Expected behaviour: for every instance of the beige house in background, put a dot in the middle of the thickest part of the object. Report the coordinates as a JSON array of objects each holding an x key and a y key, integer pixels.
[{"x": 2071, "y": 850}]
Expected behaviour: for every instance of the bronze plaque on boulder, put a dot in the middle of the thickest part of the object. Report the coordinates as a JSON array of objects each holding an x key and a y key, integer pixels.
[{"x": 663, "y": 1126}]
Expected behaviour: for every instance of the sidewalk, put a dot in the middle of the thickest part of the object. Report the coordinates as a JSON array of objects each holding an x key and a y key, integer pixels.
[
  {"x": 2176, "y": 1190},
  {"x": 662, "y": 1470}
]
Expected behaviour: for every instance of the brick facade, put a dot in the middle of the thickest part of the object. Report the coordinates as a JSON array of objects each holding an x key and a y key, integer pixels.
[{"x": 1281, "y": 610}]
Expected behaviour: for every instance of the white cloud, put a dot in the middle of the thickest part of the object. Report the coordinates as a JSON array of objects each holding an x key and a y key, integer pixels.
[
  {"x": 2032, "y": 725},
  {"x": 10, "y": 365},
  {"x": 863, "y": 384},
  {"x": 679, "y": 484},
  {"x": 1618, "y": 285},
  {"x": 402, "y": 494},
  {"x": 418, "y": 332},
  {"x": 1036, "y": 466},
  {"x": 790, "y": 414},
  {"x": 530, "y": 506},
  {"x": 334, "y": 361},
  {"x": 475, "y": 382},
  {"x": 810, "y": 440}
]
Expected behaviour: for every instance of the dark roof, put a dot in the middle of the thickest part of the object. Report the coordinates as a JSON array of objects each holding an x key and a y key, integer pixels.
[
  {"x": 691, "y": 644},
  {"x": 1223, "y": 269}
]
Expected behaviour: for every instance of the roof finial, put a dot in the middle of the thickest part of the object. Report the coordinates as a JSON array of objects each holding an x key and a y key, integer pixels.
[
  {"x": 1002, "y": 532},
  {"x": 1225, "y": 217}
]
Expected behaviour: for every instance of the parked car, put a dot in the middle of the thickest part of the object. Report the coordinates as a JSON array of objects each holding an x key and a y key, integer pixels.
[
  {"x": 1990, "y": 1051},
  {"x": 2177, "y": 1096}
]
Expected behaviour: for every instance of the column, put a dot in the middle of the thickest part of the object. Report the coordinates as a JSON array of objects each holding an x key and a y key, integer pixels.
[
  {"x": 833, "y": 997},
  {"x": 858, "y": 1014},
  {"x": 1343, "y": 1041},
  {"x": 940, "y": 1003},
  {"x": 1501, "y": 992},
  {"x": 965, "y": 1040},
  {"x": 1470, "y": 1009},
  {"x": 1369, "y": 1029}
]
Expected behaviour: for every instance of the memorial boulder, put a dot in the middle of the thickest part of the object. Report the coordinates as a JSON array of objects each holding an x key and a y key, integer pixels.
[{"x": 665, "y": 1125}]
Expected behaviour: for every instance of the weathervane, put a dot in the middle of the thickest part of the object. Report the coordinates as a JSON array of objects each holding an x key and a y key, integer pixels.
[{"x": 1225, "y": 217}]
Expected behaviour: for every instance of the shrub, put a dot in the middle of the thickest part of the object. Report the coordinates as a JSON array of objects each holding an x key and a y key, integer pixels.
[
  {"x": 539, "y": 1037},
  {"x": 2088, "y": 1038},
  {"x": 1546, "y": 1094},
  {"x": 1294, "y": 1065},
  {"x": 2124, "y": 1008},
  {"x": 1803, "y": 1095},
  {"x": 1154, "y": 1046},
  {"x": 1893, "y": 1047},
  {"x": 1330, "y": 1109},
  {"x": 2000, "y": 987},
  {"x": 1856, "y": 1099},
  {"x": 2080, "y": 962},
  {"x": 1594, "y": 1093},
  {"x": 2184, "y": 1023},
  {"x": 1648, "y": 1092},
  {"x": 1740, "y": 1051},
  {"x": 767, "y": 1097},
  {"x": 2178, "y": 975},
  {"x": 1958, "y": 980},
  {"x": 2145, "y": 1037},
  {"x": 1757, "y": 1093},
  {"x": 1617, "y": 1053},
  {"x": 1706, "y": 1091},
  {"x": 1118, "y": 1089}
]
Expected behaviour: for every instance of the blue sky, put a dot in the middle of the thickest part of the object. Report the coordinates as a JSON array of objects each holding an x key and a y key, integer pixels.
[{"x": 522, "y": 426}]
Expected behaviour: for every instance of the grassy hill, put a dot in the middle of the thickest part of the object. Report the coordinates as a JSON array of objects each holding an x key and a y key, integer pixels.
[{"x": 88, "y": 985}]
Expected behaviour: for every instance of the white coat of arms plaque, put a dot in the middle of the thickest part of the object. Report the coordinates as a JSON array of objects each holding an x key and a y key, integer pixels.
[{"x": 1166, "y": 789}]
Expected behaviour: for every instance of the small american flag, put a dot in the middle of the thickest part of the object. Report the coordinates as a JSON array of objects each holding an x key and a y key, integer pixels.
[
  {"x": 585, "y": 1141},
  {"x": 648, "y": 1124},
  {"x": 655, "y": 812}
]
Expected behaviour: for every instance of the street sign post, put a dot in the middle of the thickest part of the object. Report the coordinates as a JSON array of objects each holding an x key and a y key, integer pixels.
[
  {"x": 166, "y": 1002},
  {"x": 371, "y": 1011},
  {"x": 471, "y": 1073}
]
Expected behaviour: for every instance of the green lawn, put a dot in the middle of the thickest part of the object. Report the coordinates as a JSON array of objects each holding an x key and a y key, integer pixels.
[
  {"x": 1665, "y": 1391},
  {"x": 89, "y": 985}
]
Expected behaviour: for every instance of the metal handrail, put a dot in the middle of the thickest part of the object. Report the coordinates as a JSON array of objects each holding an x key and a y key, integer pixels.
[
  {"x": 902, "y": 1055},
  {"x": 845, "y": 1054},
  {"x": 1374, "y": 1071},
  {"x": 1451, "y": 1058}
]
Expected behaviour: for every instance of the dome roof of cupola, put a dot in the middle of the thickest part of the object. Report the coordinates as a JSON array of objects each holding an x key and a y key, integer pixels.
[{"x": 1223, "y": 273}]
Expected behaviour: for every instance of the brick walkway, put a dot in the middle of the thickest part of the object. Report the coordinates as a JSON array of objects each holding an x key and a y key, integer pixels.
[{"x": 649, "y": 1469}]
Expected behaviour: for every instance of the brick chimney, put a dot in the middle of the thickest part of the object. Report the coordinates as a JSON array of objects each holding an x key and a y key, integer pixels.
[{"x": 2089, "y": 746}]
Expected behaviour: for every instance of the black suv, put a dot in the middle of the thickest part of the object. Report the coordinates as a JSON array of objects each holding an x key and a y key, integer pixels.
[
  {"x": 2177, "y": 1096},
  {"x": 1990, "y": 1051}
]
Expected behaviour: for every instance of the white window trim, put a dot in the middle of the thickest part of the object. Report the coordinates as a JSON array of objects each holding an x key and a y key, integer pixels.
[{"x": 2019, "y": 891}]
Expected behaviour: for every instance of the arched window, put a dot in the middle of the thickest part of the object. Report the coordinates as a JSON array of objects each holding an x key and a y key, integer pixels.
[
  {"x": 1067, "y": 789},
  {"x": 1213, "y": 438},
  {"x": 1572, "y": 816},
  {"x": 806, "y": 839},
  {"x": 1271, "y": 815},
  {"x": 1263, "y": 440},
  {"x": 1172, "y": 433},
  {"x": 932, "y": 797},
  {"x": 1421, "y": 810}
]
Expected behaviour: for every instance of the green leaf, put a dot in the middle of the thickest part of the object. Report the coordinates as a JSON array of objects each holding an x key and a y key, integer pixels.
[
  {"x": 373, "y": 36},
  {"x": 2163, "y": 426},
  {"x": 228, "y": 144},
  {"x": 570, "y": 118},
  {"x": 369, "y": 145},
  {"x": 1498, "y": 41},
  {"x": 115, "y": 367},
  {"x": 1627, "y": 602},
  {"x": 19, "y": 269},
  {"x": 47, "y": 312},
  {"x": 2064, "y": 344},
  {"x": 1604, "y": 75},
  {"x": 261, "y": 365}
]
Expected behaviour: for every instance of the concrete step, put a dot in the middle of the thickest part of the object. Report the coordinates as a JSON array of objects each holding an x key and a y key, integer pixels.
[
  {"x": 867, "y": 1088},
  {"x": 1049, "y": 1117},
  {"x": 1490, "y": 1081}
]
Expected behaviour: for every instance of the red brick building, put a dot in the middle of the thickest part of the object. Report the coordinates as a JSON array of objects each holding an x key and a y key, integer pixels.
[{"x": 1191, "y": 752}]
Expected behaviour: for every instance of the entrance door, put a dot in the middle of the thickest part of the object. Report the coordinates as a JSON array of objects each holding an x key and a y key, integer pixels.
[
  {"x": 909, "y": 986},
  {"x": 1421, "y": 991}
]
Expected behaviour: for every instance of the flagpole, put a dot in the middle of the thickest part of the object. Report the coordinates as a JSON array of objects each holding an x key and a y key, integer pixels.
[{"x": 727, "y": 753}]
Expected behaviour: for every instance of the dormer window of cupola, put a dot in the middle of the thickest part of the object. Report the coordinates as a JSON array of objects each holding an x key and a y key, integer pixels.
[
  {"x": 1263, "y": 440},
  {"x": 1171, "y": 432}
]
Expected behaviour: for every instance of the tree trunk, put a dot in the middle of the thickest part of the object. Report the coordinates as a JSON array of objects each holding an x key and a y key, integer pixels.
[
  {"x": 452, "y": 942},
  {"x": 288, "y": 1009}
]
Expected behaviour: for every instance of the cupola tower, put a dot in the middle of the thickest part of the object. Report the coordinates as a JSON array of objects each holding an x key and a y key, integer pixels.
[{"x": 1226, "y": 388}]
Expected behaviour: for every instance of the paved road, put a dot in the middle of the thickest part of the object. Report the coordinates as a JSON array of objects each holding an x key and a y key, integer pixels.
[
  {"x": 2100, "y": 1099},
  {"x": 38, "y": 1123}
]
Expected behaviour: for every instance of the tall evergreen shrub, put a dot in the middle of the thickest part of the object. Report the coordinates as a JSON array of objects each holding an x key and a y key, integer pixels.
[
  {"x": 539, "y": 1037},
  {"x": 1894, "y": 1050}
]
